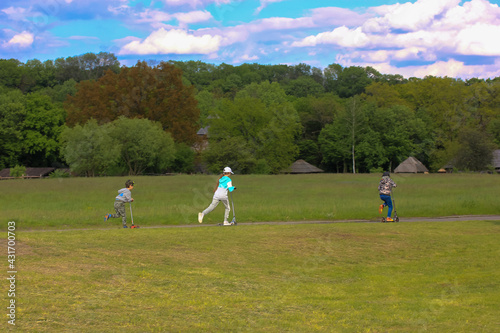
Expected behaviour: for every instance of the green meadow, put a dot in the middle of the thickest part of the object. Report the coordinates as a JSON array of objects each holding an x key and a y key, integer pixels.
[
  {"x": 176, "y": 200},
  {"x": 341, "y": 277},
  {"x": 77, "y": 273}
]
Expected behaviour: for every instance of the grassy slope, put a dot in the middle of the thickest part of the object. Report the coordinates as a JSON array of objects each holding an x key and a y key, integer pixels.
[
  {"x": 82, "y": 202},
  {"x": 406, "y": 277}
]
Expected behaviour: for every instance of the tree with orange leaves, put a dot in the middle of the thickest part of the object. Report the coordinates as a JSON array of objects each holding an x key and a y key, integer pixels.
[{"x": 155, "y": 93}]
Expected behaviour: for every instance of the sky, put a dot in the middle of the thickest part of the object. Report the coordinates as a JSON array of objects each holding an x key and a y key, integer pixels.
[{"x": 453, "y": 38}]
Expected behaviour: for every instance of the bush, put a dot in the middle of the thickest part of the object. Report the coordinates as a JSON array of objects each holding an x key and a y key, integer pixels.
[{"x": 18, "y": 171}]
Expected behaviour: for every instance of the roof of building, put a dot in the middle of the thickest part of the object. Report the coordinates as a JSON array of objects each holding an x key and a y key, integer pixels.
[
  {"x": 301, "y": 166},
  {"x": 30, "y": 172},
  {"x": 411, "y": 165}
]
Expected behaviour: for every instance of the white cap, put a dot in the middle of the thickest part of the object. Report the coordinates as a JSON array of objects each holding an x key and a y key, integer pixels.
[{"x": 228, "y": 169}]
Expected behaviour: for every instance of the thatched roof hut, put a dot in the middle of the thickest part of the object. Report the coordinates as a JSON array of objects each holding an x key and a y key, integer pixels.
[
  {"x": 411, "y": 165},
  {"x": 301, "y": 166}
]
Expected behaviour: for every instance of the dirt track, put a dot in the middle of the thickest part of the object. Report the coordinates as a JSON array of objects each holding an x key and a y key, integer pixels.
[{"x": 401, "y": 220}]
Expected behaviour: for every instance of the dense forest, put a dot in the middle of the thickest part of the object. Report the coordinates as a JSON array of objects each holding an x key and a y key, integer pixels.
[{"x": 100, "y": 118}]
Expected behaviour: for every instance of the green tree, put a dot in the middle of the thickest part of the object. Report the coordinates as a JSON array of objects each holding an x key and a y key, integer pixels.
[
  {"x": 42, "y": 124},
  {"x": 10, "y": 73},
  {"x": 475, "y": 152},
  {"x": 355, "y": 123},
  {"x": 262, "y": 118},
  {"x": 89, "y": 149},
  {"x": 335, "y": 147},
  {"x": 12, "y": 113},
  {"x": 304, "y": 86},
  {"x": 401, "y": 133},
  {"x": 206, "y": 103},
  {"x": 352, "y": 81},
  {"x": 233, "y": 151},
  {"x": 144, "y": 146}
]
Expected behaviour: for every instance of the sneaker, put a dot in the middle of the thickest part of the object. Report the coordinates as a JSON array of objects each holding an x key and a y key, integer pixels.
[
  {"x": 380, "y": 208},
  {"x": 106, "y": 217},
  {"x": 200, "y": 217},
  {"x": 125, "y": 226},
  {"x": 227, "y": 223},
  {"x": 389, "y": 219}
]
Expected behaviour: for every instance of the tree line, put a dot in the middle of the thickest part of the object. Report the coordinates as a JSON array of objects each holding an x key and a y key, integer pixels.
[{"x": 102, "y": 119}]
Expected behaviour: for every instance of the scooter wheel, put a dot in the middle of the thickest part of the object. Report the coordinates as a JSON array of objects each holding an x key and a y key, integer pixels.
[
  {"x": 396, "y": 219},
  {"x": 383, "y": 220}
]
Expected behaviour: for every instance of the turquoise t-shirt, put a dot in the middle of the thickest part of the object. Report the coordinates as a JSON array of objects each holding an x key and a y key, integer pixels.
[{"x": 225, "y": 184}]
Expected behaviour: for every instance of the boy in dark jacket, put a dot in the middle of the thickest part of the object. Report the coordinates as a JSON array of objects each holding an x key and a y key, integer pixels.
[
  {"x": 384, "y": 188},
  {"x": 124, "y": 195}
]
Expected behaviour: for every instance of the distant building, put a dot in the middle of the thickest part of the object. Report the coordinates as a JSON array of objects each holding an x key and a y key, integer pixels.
[
  {"x": 30, "y": 173},
  {"x": 411, "y": 165},
  {"x": 301, "y": 166}
]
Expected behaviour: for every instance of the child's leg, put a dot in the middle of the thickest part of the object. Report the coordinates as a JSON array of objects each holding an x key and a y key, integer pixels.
[
  {"x": 120, "y": 211},
  {"x": 388, "y": 202},
  {"x": 226, "y": 212},
  {"x": 212, "y": 206}
]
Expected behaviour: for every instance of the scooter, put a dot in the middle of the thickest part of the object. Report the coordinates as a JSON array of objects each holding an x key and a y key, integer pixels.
[{"x": 133, "y": 226}]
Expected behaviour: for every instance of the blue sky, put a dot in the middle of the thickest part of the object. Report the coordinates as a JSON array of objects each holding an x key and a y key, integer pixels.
[{"x": 416, "y": 38}]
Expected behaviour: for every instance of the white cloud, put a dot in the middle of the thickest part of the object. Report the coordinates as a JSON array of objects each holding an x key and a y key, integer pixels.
[
  {"x": 260, "y": 30},
  {"x": 173, "y": 42},
  {"x": 23, "y": 40},
  {"x": 263, "y": 4},
  {"x": 15, "y": 13},
  {"x": 193, "y": 17},
  {"x": 247, "y": 57},
  {"x": 449, "y": 68},
  {"x": 479, "y": 39},
  {"x": 412, "y": 16},
  {"x": 421, "y": 32},
  {"x": 341, "y": 36},
  {"x": 471, "y": 12},
  {"x": 336, "y": 16}
]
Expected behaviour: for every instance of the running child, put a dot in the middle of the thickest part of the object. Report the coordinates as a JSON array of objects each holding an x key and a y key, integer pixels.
[
  {"x": 384, "y": 188},
  {"x": 124, "y": 195},
  {"x": 220, "y": 195}
]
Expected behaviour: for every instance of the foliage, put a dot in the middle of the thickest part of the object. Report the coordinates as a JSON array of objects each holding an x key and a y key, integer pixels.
[
  {"x": 41, "y": 129},
  {"x": 263, "y": 126},
  {"x": 144, "y": 146},
  {"x": 12, "y": 113},
  {"x": 184, "y": 159},
  {"x": 131, "y": 146},
  {"x": 29, "y": 129},
  {"x": 475, "y": 152},
  {"x": 426, "y": 116},
  {"x": 89, "y": 150},
  {"x": 378, "y": 137},
  {"x": 58, "y": 173},
  {"x": 155, "y": 93},
  {"x": 17, "y": 171}
]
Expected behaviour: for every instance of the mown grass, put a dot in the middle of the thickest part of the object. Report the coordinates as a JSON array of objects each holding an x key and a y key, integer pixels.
[
  {"x": 343, "y": 277},
  {"x": 176, "y": 200}
]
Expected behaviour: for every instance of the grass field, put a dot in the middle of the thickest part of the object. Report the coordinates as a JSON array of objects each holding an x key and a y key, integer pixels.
[
  {"x": 76, "y": 273},
  {"x": 176, "y": 200},
  {"x": 343, "y": 277}
]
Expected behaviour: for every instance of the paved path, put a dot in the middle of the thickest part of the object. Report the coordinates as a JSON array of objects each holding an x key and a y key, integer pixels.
[{"x": 401, "y": 220}]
